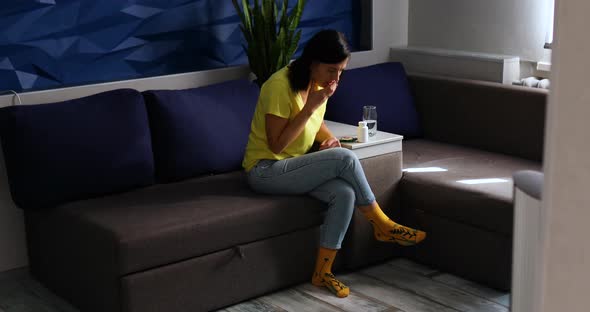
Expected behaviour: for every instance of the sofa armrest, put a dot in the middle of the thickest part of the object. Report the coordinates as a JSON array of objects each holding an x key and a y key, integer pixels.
[{"x": 490, "y": 116}]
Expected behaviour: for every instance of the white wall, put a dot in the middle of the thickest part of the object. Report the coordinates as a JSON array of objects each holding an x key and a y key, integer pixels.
[
  {"x": 506, "y": 27},
  {"x": 389, "y": 28},
  {"x": 566, "y": 197}
]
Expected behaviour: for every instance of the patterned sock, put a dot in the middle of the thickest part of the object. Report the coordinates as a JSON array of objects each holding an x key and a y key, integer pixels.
[
  {"x": 386, "y": 230},
  {"x": 323, "y": 277}
]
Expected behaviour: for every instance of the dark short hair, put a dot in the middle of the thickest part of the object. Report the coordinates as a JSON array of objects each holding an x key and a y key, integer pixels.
[{"x": 327, "y": 46}]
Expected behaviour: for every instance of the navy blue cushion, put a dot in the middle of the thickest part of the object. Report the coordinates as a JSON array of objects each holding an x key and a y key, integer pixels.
[
  {"x": 384, "y": 86},
  {"x": 201, "y": 130},
  {"x": 76, "y": 149}
]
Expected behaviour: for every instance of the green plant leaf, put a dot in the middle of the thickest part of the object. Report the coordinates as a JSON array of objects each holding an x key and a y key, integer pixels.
[
  {"x": 239, "y": 11},
  {"x": 269, "y": 29},
  {"x": 283, "y": 21},
  {"x": 247, "y": 16},
  {"x": 271, "y": 34},
  {"x": 269, "y": 18},
  {"x": 245, "y": 21},
  {"x": 293, "y": 47},
  {"x": 296, "y": 17}
]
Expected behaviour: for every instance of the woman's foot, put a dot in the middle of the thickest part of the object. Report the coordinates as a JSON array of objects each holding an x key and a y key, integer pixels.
[
  {"x": 386, "y": 230},
  {"x": 328, "y": 280},
  {"x": 390, "y": 231},
  {"x": 322, "y": 275}
]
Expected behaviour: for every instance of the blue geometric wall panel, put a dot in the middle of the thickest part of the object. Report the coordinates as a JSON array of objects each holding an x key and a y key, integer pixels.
[{"x": 47, "y": 44}]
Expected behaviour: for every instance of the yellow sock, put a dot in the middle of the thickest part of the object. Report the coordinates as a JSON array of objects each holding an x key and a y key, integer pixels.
[
  {"x": 322, "y": 276},
  {"x": 386, "y": 230}
]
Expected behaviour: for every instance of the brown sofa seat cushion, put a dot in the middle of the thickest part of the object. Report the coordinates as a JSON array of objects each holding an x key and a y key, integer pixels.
[
  {"x": 167, "y": 223},
  {"x": 487, "y": 205}
]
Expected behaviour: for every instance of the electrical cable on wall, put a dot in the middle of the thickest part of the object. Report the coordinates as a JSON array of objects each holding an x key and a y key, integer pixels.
[{"x": 15, "y": 96}]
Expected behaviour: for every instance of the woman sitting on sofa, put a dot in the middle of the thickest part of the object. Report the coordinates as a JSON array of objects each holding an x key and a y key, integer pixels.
[{"x": 287, "y": 121}]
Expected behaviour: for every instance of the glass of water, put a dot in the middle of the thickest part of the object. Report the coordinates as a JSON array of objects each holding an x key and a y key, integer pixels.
[{"x": 370, "y": 116}]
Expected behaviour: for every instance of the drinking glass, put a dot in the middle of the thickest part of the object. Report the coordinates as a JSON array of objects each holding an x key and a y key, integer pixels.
[{"x": 370, "y": 116}]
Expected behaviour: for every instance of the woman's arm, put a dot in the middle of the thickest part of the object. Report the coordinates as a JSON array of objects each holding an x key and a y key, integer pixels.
[
  {"x": 280, "y": 132},
  {"x": 323, "y": 134},
  {"x": 326, "y": 138}
]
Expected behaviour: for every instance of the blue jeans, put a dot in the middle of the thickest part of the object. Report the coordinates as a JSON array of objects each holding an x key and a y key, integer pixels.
[{"x": 333, "y": 176}]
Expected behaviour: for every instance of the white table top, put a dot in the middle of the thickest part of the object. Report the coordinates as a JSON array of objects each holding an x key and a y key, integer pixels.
[
  {"x": 382, "y": 143},
  {"x": 340, "y": 130}
]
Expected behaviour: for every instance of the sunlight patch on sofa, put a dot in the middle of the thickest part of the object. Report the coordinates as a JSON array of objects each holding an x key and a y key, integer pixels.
[
  {"x": 483, "y": 181},
  {"x": 425, "y": 169}
]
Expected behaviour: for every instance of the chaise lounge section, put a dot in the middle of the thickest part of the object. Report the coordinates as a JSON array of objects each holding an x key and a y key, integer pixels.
[
  {"x": 472, "y": 135},
  {"x": 480, "y": 133}
]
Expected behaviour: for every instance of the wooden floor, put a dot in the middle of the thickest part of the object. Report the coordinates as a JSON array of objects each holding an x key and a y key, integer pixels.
[{"x": 399, "y": 285}]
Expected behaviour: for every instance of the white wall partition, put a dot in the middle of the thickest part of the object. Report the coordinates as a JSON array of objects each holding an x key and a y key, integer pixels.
[{"x": 566, "y": 197}]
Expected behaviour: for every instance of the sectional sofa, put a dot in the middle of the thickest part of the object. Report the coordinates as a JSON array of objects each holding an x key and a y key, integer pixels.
[
  {"x": 136, "y": 201},
  {"x": 464, "y": 139}
]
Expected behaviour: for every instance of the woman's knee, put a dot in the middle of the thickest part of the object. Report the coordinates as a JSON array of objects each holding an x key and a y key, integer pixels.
[
  {"x": 344, "y": 198},
  {"x": 343, "y": 154},
  {"x": 349, "y": 159},
  {"x": 345, "y": 192}
]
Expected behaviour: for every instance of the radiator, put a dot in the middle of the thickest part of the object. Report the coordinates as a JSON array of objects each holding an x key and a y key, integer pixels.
[
  {"x": 459, "y": 64},
  {"x": 533, "y": 82},
  {"x": 526, "y": 247}
]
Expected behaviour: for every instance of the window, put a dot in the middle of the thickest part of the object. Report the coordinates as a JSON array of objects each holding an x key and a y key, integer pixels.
[
  {"x": 549, "y": 32},
  {"x": 544, "y": 65}
]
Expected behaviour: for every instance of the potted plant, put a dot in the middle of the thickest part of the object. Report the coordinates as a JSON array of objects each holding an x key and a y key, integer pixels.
[{"x": 270, "y": 46}]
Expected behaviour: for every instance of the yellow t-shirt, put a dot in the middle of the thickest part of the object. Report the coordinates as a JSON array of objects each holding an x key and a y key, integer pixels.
[{"x": 277, "y": 98}]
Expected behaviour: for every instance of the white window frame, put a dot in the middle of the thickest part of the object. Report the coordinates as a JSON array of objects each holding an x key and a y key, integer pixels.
[
  {"x": 544, "y": 65},
  {"x": 550, "y": 24}
]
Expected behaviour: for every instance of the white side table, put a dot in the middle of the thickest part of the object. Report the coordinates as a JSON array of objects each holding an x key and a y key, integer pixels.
[{"x": 381, "y": 156}]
